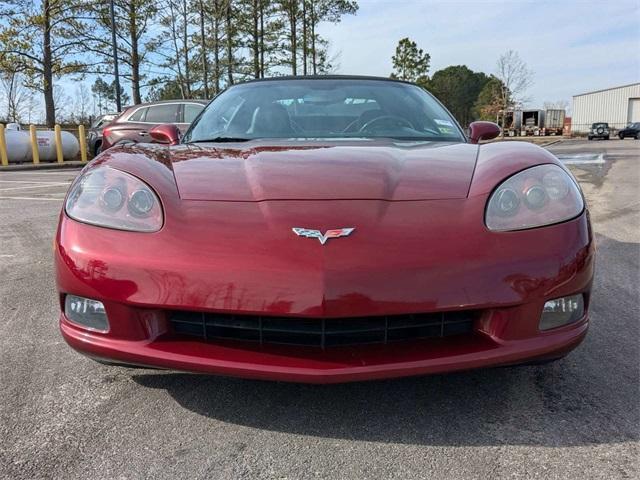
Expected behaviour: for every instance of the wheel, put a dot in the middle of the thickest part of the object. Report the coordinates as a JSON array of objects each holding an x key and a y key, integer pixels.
[
  {"x": 638, "y": 136},
  {"x": 607, "y": 137},
  {"x": 97, "y": 149},
  {"x": 621, "y": 136},
  {"x": 590, "y": 137}
]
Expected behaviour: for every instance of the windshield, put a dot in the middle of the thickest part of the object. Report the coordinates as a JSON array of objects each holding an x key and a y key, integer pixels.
[{"x": 324, "y": 108}]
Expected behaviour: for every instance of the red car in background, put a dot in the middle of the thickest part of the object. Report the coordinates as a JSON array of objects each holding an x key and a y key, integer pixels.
[
  {"x": 133, "y": 125},
  {"x": 324, "y": 229}
]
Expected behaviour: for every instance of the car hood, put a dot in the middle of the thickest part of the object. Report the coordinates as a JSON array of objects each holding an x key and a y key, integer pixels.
[{"x": 380, "y": 171}]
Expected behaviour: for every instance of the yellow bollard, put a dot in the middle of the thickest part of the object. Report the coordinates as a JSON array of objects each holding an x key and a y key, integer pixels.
[
  {"x": 35, "y": 155},
  {"x": 83, "y": 144},
  {"x": 4, "y": 158},
  {"x": 58, "y": 136}
]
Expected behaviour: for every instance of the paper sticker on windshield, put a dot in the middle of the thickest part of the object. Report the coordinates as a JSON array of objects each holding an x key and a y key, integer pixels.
[
  {"x": 445, "y": 123},
  {"x": 446, "y": 130}
]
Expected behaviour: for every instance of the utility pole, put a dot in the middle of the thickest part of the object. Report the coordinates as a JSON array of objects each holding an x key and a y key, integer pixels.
[{"x": 115, "y": 55}]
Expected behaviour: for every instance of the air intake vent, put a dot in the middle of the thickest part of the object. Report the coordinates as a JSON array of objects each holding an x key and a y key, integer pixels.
[{"x": 319, "y": 332}]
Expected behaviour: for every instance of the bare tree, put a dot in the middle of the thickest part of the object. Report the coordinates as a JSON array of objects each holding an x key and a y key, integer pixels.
[
  {"x": 558, "y": 104},
  {"x": 15, "y": 96},
  {"x": 81, "y": 104},
  {"x": 64, "y": 103},
  {"x": 32, "y": 107},
  {"x": 516, "y": 78}
]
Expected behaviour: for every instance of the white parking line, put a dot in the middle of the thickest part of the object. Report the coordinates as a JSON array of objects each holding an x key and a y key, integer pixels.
[
  {"x": 28, "y": 187},
  {"x": 47, "y": 172},
  {"x": 580, "y": 158},
  {"x": 31, "y": 198},
  {"x": 29, "y": 181}
]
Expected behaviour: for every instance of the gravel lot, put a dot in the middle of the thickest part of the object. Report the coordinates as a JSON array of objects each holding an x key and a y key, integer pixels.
[{"x": 64, "y": 416}]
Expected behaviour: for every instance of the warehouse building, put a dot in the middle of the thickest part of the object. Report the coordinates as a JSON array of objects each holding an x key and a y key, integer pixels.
[{"x": 617, "y": 106}]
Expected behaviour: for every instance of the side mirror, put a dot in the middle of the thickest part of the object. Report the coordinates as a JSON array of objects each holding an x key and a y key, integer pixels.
[
  {"x": 166, "y": 133},
  {"x": 483, "y": 131}
]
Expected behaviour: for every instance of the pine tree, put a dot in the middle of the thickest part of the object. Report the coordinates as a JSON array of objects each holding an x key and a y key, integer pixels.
[
  {"x": 43, "y": 39},
  {"x": 410, "y": 63},
  {"x": 134, "y": 20},
  {"x": 174, "y": 43},
  {"x": 324, "y": 11}
]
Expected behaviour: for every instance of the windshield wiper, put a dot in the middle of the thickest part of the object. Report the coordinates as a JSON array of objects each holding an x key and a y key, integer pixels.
[{"x": 222, "y": 140}]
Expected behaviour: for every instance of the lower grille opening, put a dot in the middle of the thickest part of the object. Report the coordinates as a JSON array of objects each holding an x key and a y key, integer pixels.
[{"x": 321, "y": 332}]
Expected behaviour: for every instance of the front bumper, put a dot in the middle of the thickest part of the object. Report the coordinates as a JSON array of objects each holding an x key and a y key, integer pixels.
[
  {"x": 340, "y": 364},
  {"x": 507, "y": 277}
]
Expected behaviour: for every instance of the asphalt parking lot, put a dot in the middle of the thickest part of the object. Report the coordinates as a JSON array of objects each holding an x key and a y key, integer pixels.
[{"x": 64, "y": 416}]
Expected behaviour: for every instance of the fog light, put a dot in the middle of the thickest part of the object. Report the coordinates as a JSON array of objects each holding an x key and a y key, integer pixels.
[
  {"x": 86, "y": 313},
  {"x": 562, "y": 311}
]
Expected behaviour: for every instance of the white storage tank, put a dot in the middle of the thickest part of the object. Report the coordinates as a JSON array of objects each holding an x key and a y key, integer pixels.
[
  {"x": 18, "y": 150},
  {"x": 19, "y": 144}
]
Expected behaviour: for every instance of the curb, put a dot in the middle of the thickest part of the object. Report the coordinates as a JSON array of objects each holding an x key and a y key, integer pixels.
[
  {"x": 41, "y": 166},
  {"x": 544, "y": 145}
]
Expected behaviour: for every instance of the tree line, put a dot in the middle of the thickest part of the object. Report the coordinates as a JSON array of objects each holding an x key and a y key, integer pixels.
[
  {"x": 169, "y": 48},
  {"x": 195, "y": 48},
  {"x": 468, "y": 95}
]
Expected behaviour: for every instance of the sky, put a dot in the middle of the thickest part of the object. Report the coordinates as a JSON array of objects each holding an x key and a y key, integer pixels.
[{"x": 572, "y": 46}]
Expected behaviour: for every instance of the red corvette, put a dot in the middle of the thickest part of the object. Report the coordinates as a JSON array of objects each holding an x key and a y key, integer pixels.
[{"x": 324, "y": 229}]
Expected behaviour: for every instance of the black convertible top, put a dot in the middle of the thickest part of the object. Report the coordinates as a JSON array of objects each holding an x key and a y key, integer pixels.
[{"x": 322, "y": 77}]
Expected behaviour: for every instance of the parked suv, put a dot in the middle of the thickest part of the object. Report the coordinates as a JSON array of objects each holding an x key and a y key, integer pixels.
[
  {"x": 135, "y": 122},
  {"x": 632, "y": 130},
  {"x": 599, "y": 130}
]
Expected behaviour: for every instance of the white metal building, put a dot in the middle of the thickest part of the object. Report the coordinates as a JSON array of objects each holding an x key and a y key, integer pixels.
[{"x": 617, "y": 106}]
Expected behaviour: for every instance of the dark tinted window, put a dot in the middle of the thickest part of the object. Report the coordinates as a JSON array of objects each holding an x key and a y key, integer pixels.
[
  {"x": 162, "y": 113},
  {"x": 191, "y": 111},
  {"x": 138, "y": 116}
]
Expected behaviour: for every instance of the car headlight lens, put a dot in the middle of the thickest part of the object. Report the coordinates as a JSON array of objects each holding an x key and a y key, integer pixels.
[
  {"x": 535, "y": 197},
  {"x": 110, "y": 198}
]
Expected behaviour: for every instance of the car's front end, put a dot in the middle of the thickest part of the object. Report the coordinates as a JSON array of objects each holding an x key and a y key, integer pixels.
[{"x": 325, "y": 261}]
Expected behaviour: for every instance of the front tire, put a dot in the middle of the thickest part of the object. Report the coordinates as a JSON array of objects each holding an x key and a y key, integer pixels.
[
  {"x": 621, "y": 136},
  {"x": 607, "y": 137},
  {"x": 590, "y": 137}
]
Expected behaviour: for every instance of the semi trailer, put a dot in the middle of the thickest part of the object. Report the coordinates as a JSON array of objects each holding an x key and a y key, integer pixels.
[{"x": 521, "y": 123}]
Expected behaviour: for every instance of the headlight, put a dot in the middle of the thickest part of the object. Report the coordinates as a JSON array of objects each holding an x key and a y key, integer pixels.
[
  {"x": 535, "y": 197},
  {"x": 110, "y": 198}
]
